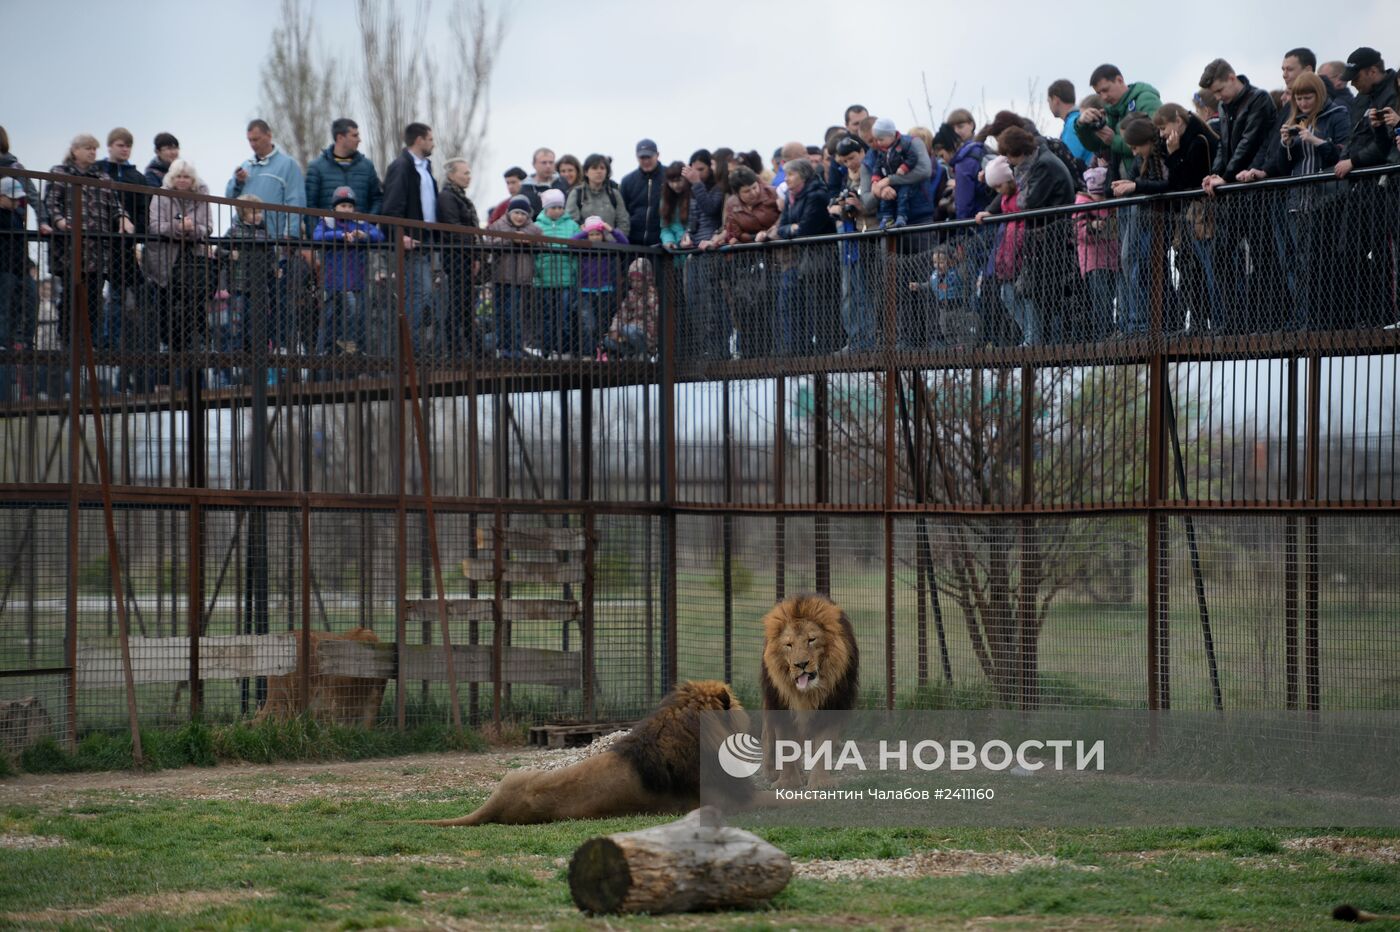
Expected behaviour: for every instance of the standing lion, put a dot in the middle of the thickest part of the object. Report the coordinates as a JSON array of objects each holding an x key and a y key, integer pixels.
[{"x": 810, "y": 664}]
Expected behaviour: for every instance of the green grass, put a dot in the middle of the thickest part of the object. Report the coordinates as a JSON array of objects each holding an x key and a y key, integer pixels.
[
  {"x": 340, "y": 864},
  {"x": 200, "y": 745}
]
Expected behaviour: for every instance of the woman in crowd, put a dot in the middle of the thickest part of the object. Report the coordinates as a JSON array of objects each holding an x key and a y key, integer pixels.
[
  {"x": 755, "y": 211},
  {"x": 102, "y": 214},
  {"x": 599, "y": 196},
  {"x": 675, "y": 207},
  {"x": 705, "y": 321},
  {"x": 1190, "y": 145},
  {"x": 1309, "y": 142},
  {"x": 1008, "y": 256},
  {"x": 177, "y": 259},
  {"x": 802, "y": 332},
  {"x": 570, "y": 170}
]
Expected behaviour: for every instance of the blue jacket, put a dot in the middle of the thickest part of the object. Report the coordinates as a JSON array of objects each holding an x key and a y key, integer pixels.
[
  {"x": 277, "y": 180},
  {"x": 345, "y": 263},
  {"x": 325, "y": 174},
  {"x": 1071, "y": 139},
  {"x": 970, "y": 195}
]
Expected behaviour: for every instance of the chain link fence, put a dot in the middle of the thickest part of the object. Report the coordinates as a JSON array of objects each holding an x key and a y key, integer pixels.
[{"x": 1138, "y": 453}]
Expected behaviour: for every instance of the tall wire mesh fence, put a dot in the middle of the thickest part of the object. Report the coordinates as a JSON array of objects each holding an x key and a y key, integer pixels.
[{"x": 1136, "y": 453}]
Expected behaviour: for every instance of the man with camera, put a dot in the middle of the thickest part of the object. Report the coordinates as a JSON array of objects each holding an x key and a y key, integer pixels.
[
  {"x": 1098, "y": 129},
  {"x": 1375, "y": 114}
]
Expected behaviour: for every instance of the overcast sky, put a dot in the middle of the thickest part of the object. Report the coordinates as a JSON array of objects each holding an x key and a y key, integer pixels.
[{"x": 596, "y": 76}]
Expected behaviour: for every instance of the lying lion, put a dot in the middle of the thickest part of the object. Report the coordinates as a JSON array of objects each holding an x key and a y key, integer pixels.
[
  {"x": 339, "y": 700},
  {"x": 654, "y": 769}
]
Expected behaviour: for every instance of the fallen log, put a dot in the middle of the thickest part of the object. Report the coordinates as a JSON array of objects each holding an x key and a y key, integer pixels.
[{"x": 695, "y": 863}]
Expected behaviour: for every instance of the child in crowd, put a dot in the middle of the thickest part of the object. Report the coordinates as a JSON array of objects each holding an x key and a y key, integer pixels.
[
  {"x": 597, "y": 291},
  {"x": 556, "y": 270},
  {"x": 1097, "y": 234},
  {"x": 252, "y": 277},
  {"x": 342, "y": 322},
  {"x": 513, "y": 270},
  {"x": 633, "y": 330},
  {"x": 895, "y": 160},
  {"x": 1009, "y": 255},
  {"x": 945, "y": 284}
]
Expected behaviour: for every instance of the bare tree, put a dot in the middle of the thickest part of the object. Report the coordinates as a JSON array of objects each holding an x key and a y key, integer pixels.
[
  {"x": 406, "y": 79},
  {"x": 303, "y": 88}
]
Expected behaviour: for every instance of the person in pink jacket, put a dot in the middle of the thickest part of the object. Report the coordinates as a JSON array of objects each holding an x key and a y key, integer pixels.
[{"x": 1097, "y": 235}]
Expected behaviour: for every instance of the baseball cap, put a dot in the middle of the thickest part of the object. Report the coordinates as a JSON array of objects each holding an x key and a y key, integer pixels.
[
  {"x": 343, "y": 195},
  {"x": 1360, "y": 60},
  {"x": 646, "y": 147}
]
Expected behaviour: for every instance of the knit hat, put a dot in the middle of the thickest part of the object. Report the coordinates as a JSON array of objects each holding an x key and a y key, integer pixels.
[
  {"x": 519, "y": 202},
  {"x": 342, "y": 195},
  {"x": 998, "y": 172},
  {"x": 640, "y": 268},
  {"x": 884, "y": 127},
  {"x": 593, "y": 223},
  {"x": 1096, "y": 180},
  {"x": 552, "y": 198}
]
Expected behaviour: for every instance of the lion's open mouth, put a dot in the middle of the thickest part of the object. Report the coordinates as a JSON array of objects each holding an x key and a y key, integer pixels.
[{"x": 806, "y": 680}]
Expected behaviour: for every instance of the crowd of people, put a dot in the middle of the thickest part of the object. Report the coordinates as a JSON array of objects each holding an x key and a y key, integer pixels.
[{"x": 162, "y": 276}]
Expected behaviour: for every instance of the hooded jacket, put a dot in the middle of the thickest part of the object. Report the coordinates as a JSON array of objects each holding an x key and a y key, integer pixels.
[
  {"x": 514, "y": 265},
  {"x": 326, "y": 173},
  {"x": 344, "y": 263},
  {"x": 156, "y": 170},
  {"x": 607, "y": 202},
  {"x": 641, "y": 193},
  {"x": 134, "y": 204},
  {"x": 1333, "y": 125},
  {"x": 595, "y": 270},
  {"x": 639, "y": 307},
  {"x": 1141, "y": 97},
  {"x": 745, "y": 222},
  {"x": 805, "y": 214},
  {"x": 555, "y": 266},
  {"x": 969, "y": 194},
  {"x": 1245, "y": 125}
]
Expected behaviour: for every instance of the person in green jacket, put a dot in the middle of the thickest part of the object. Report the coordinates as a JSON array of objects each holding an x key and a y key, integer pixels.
[
  {"x": 1099, "y": 129},
  {"x": 555, "y": 274}
]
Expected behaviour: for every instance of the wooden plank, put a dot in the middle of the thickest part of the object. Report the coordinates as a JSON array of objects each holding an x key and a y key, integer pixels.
[
  {"x": 482, "y": 569},
  {"x": 473, "y": 663},
  {"x": 167, "y": 660},
  {"x": 522, "y": 665},
  {"x": 512, "y": 609},
  {"x": 534, "y": 538}
]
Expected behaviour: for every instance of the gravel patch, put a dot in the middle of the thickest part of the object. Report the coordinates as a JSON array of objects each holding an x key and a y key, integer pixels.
[
  {"x": 30, "y": 842},
  {"x": 927, "y": 864},
  {"x": 1379, "y": 850}
]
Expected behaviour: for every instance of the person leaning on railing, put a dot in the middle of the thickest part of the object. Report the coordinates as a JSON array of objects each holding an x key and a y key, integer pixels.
[
  {"x": 800, "y": 331},
  {"x": 103, "y": 215},
  {"x": 179, "y": 260}
]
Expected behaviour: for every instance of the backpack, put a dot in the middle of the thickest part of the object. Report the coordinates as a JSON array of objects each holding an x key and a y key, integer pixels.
[{"x": 1061, "y": 151}]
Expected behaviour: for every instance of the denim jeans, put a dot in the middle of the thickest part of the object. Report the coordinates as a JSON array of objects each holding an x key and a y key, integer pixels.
[
  {"x": 342, "y": 319},
  {"x": 1100, "y": 284},
  {"x": 509, "y": 301},
  {"x": 1136, "y": 259},
  {"x": 1024, "y": 312},
  {"x": 857, "y": 316},
  {"x": 418, "y": 293},
  {"x": 555, "y": 319}
]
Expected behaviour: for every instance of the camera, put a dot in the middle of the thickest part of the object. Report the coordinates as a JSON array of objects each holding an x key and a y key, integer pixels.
[
  {"x": 1092, "y": 125},
  {"x": 840, "y": 201},
  {"x": 1294, "y": 130}
]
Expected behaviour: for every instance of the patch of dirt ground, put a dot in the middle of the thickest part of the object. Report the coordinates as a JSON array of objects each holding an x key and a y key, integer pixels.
[
  {"x": 385, "y": 778},
  {"x": 926, "y": 864},
  {"x": 1380, "y": 850},
  {"x": 163, "y": 904}
]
